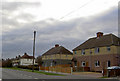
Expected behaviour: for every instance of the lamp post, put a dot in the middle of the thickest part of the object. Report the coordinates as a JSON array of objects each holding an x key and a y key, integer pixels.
[{"x": 33, "y": 51}]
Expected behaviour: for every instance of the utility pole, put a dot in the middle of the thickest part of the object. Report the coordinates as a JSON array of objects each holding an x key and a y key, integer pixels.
[{"x": 33, "y": 51}]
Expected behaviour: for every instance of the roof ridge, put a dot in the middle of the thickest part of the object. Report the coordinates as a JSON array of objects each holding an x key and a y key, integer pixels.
[
  {"x": 57, "y": 50},
  {"x": 105, "y": 40}
]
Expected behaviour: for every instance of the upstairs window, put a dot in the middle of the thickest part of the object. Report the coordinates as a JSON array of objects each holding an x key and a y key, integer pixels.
[
  {"x": 108, "y": 48},
  {"x": 97, "y": 63},
  {"x": 97, "y": 50},
  {"x": 83, "y": 52},
  {"x": 75, "y": 52}
]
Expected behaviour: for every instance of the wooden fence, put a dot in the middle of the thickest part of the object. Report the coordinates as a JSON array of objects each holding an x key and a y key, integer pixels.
[{"x": 58, "y": 68}]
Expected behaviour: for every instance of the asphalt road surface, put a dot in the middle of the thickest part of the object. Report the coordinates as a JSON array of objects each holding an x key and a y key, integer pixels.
[{"x": 16, "y": 74}]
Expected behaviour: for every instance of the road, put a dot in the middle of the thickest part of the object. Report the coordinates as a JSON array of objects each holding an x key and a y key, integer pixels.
[{"x": 17, "y": 74}]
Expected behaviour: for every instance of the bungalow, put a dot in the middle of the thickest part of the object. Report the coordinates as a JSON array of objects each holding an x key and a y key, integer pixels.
[
  {"x": 24, "y": 60},
  {"x": 98, "y": 53},
  {"x": 57, "y": 55}
]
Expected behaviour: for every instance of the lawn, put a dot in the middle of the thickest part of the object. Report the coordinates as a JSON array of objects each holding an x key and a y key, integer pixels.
[{"x": 35, "y": 71}]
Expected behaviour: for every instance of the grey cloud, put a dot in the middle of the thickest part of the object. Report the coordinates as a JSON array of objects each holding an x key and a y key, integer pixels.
[
  {"x": 12, "y": 6},
  {"x": 69, "y": 34}
]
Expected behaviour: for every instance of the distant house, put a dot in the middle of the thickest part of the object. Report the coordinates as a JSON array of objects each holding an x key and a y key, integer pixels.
[
  {"x": 57, "y": 55},
  {"x": 24, "y": 60},
  {"x": 98, "y": 53},
  {"x": 16, "y": 61}
]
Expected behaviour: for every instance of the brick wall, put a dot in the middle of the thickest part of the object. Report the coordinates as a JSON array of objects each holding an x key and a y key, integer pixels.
[{"x": 102, "y": 58}]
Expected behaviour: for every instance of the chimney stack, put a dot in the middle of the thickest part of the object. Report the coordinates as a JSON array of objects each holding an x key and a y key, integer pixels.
[
  {"x": 56, "y": 45},
  {"x": 99, "y": 34},
  {"x": 25, "y": 53}
]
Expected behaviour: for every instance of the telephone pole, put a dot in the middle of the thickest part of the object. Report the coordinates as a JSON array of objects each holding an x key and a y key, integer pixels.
[{"x": 33, "y": 51}]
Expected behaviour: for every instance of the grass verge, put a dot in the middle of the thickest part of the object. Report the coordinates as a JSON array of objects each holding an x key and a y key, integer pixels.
[
  {"x": 104, "y": 77},
  {"x": 35, "y": 71}
]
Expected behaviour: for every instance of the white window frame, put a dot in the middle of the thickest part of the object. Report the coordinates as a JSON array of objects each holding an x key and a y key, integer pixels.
[
  {"x": 83, "y": 52},
  {"x": 97, "y": 50},
  {"x": 98, "y": 63},
  {"x": 83, "y": 62}
]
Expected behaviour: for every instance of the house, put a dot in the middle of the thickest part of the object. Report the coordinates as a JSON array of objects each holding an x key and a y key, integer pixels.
[
  {"x": 57, "y": 55},
  {"x": 16, "y": 61},
  {"x": 24, "y": 60},
  {"x": 98, "y": 52}
]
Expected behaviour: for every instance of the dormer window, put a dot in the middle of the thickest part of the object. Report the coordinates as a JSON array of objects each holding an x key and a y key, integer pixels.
[
  {"x": 83, "y": 52},
  {"x": 97, "y": 50}
]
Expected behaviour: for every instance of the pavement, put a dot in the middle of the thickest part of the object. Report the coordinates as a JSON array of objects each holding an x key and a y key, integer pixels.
[
  {"x": 17, "y": 74},
  {"x": 90, "y": 74}
]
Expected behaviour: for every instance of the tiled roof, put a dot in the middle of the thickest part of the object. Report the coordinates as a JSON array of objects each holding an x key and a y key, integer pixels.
[
  {"x": 105, "y": 40},
  {"x": 58, "y": 50}
]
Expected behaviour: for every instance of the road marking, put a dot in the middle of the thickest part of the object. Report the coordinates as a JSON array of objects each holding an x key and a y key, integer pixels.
[{"x": 35, "y": 78}]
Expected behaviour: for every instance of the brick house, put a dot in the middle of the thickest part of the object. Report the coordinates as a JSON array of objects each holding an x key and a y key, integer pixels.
[
  {"x": 57, "y": 55},
  {"x": 98, "y": 53},
  {"x": 24, "y": 60}
]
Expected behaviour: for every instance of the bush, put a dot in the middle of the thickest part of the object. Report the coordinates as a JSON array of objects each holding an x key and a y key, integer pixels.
[
  {"x": 29, "y": 67},
  {"x": 7, "y": 63}
]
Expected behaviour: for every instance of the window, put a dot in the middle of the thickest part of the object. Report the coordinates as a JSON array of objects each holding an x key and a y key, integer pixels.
[
  {"x": 83, "y": 63},
  {"x": 75, "y": 52},
  {"x": 51, "y": 64},
  {"x": 97, "y": 63},
  {"x": 108, "y": 48},
  {"x": 83, "y": 52},
  {"x": 97, "y": 50},
  {"x": 75, "y": 63},
  {"x": 108, "y": 63},
  {"x": 90, "y": 52}
]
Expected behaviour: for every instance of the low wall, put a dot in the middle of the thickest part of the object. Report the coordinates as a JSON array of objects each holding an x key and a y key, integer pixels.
[{"x": 81, "y": 69}]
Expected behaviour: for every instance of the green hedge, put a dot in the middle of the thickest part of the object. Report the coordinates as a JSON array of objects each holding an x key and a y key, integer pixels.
[{"x": 29, "y": 67}]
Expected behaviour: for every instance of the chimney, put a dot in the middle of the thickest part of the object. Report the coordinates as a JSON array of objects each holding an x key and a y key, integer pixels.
[
  {"x": 25, "y": 53},
  {"x": 99, "y": 34},
  {"x": 56, "y": 45},
  {"x": 19, "y": 56}
]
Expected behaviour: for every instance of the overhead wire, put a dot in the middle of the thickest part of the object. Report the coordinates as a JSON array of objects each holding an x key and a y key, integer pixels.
[{"x": 76, "y": 9}]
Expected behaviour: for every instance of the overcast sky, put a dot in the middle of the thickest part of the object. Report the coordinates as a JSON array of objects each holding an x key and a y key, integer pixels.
[{"x": 65, "y": 22}]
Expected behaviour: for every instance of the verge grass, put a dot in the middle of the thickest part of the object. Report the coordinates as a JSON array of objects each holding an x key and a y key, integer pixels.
[{"x": 35, "y": 71}]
